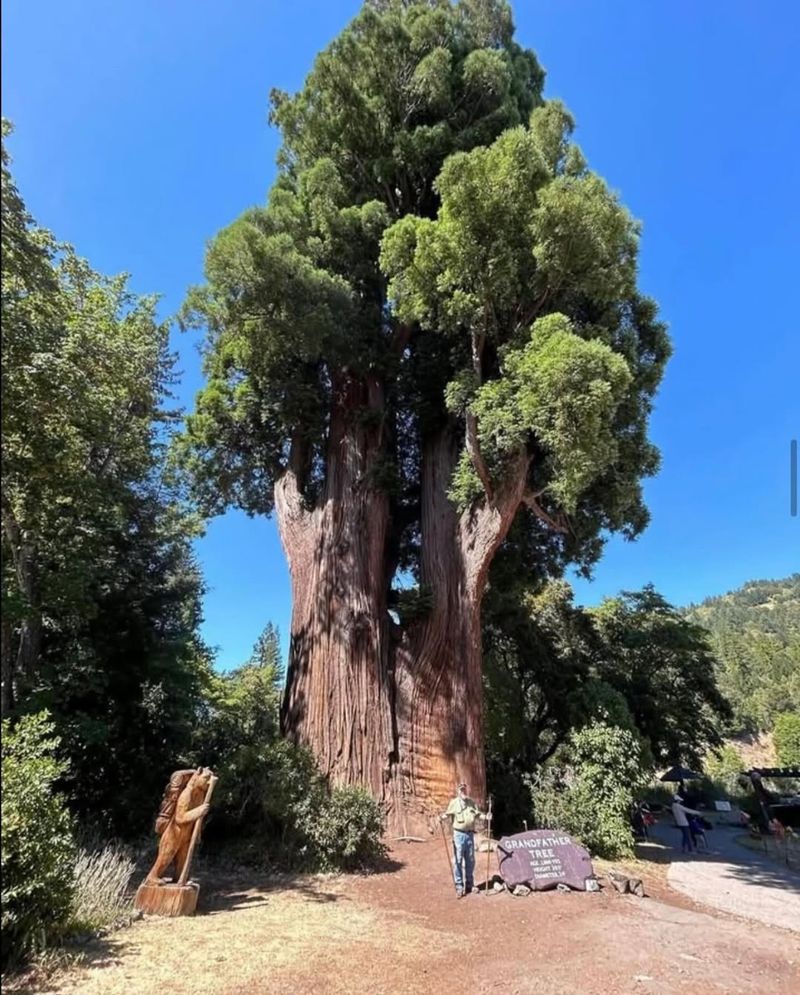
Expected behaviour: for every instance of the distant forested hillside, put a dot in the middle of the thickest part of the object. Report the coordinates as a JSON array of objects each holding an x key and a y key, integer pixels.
[{"x": 755, "y": 632}]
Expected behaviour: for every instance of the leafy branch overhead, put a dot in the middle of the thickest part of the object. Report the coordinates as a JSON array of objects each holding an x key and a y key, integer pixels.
[
  {"x": 427, "y": 189},
  {"x": 525, "y": 230}
]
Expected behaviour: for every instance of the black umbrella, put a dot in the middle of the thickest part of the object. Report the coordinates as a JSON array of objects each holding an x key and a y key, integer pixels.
[{"x": 680, "y": 774}]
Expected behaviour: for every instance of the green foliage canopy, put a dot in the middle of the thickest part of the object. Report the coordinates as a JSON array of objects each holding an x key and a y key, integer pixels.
[
  {"x": 665, "y": 668},
  {"x": 101, "y": 591},
  {"x": 589, "y": 788},
  {"x": 433, "y": 227}
]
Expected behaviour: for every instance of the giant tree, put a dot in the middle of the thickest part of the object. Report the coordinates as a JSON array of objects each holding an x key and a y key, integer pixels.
[{"x": 432, "y": 329}]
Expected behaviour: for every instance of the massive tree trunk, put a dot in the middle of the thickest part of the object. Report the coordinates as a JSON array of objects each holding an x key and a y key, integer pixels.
[
  {"x": 399, "y": 711},
  {"x": 338, "y": 698},
  {"x": 439, "y": 661}
]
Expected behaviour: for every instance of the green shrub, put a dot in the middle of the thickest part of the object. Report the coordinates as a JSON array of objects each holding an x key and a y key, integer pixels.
[
  {"x": 266, "y": 790},
  {"x": 101, "y": 897},
  {"x": 345, "y": 828},
  {"x": 787, "y": 739},
  {"x": 588, "y": 789},
  {"x": 276, "y": 810},
  {"x": 38, "y": 849},
  {"x": 273, "y": 807}
]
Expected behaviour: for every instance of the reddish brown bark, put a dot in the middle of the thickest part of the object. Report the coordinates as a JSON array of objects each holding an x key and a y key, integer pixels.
[
  {"x": 439, "y": 662},
  {"x": 397, "y": 711},
  {"x": 338, "y": 694}
]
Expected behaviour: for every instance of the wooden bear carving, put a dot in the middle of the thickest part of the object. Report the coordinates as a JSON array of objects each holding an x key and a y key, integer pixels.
[{"x": 184, "y": 802}]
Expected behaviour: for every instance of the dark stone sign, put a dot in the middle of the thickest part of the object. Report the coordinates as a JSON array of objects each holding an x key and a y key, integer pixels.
[{"x": 542, "y": 859}]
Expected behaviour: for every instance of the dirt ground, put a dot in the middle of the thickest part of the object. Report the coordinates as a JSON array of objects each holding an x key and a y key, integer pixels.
[{"x": 403, "y": 931}]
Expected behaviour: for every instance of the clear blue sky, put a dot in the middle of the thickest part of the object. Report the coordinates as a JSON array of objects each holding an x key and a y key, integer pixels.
[{"x": 141, "y": 130}]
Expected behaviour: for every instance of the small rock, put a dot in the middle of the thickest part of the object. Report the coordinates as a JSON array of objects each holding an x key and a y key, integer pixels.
[
  {"x": 563, "y": 887},
  {"x": 498, "y": 886},
  {"x": 626, "y": 885},
  {"x": 521, "y": 889},
  {"x": 592, "y": 884}
]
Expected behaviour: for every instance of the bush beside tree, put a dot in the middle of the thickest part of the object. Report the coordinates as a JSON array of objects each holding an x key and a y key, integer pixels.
[
  {"x": 345, "y": 830},
  {"x": 589, "y": 787},
  {"x": 38, "y": 848},
  {"x": 274, "y": 807}
]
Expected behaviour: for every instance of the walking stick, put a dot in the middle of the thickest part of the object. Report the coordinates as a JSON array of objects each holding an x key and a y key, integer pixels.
[
  {"x": 488, "y": 842},
  {"x": 195, "y": 833},
  {"x": 446, "y": 850}
]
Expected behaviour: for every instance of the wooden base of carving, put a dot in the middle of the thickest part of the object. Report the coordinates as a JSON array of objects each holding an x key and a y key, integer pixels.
[{"x": 167, "y": 899}]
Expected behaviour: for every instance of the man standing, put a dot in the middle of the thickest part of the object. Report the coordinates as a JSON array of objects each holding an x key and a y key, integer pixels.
[{"x": 464, "y": 813}]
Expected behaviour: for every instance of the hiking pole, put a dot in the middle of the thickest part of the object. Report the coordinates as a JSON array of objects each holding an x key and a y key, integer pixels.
[
  {"x": 488, "y": 842},
  {"x": 446, "y": 850}
]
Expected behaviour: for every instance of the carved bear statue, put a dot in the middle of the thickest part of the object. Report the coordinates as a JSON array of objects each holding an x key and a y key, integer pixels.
[{"x": 182, "y": 805}]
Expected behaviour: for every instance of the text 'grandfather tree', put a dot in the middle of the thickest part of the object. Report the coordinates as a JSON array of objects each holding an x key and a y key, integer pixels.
[{"x": 432, "y": 330}]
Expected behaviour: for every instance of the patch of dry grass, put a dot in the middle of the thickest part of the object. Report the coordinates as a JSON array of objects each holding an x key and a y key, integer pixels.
[{"x": 249, "y": 938}]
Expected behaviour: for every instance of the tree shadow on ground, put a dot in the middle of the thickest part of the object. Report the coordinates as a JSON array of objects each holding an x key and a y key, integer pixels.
[
  {"x": 767, "y": 877},
  {"x": 227, "y": 892},
  {"x": 741, "y": 862},
  {"x": 40, "y": 976},
  {"x": 229, "y": 889}
]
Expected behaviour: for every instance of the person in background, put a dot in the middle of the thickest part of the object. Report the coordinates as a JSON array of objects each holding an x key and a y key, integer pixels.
[
  {"x": 680, "y": 813},
  {"x": 638, "y": 820},
  {"x": 697, "y": 827},
  {"x": 464, "y": 813}
]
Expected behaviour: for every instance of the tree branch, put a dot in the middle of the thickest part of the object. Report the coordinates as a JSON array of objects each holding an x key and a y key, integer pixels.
[
  {"x": 290, "y": 508},
  {"x": 533, "y": 312},
  {"x": 474, "y": 450},
  {"x": 558, "y": 524},
  {"x": 557, "y": 741},
  {"x": 473, "y": 445},
  {"x": 484, "y": 525}
]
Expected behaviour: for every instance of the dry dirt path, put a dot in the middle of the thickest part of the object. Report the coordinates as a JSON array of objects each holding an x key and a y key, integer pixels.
[
  {"x": 735, "y": 879},
  {"x": 403, "y": 931}
]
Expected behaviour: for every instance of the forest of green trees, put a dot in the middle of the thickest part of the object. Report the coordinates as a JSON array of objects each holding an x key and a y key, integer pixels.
[
  {"x": 755, "y": 636},
  {"x": 546, "y": 381}
]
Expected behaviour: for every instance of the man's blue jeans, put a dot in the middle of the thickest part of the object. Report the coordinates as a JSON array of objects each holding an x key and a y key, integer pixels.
[{"x": 463, "y": 851}]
